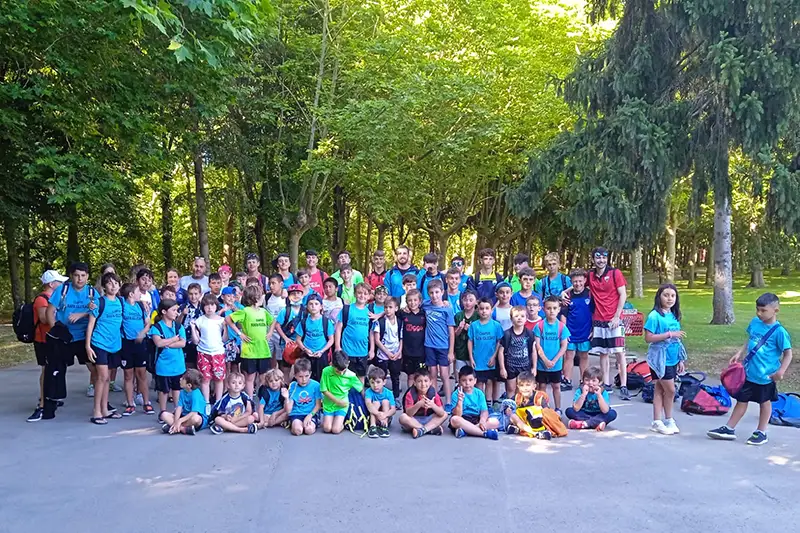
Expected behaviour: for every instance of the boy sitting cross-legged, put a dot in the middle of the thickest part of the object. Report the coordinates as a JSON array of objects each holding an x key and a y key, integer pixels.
[
  {"x": 470, "y": 415},
  {"x": 380, "y": 404},
  {"x": 424, "y": 413},
  {"x": 526, "y": 415},
  {"x": 233, "y": 412},
  {"x": 590, "y": 409}
]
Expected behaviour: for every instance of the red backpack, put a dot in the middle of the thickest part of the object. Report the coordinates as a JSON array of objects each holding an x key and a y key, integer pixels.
[
  {"x": 638, "y": 375},
  {"x": 699, "y": 402}
]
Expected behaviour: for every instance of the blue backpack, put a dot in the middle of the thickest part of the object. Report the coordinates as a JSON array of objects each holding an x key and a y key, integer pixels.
[
  {"x": 786, "y": 410},
  {"x": 357, "y": 418}
]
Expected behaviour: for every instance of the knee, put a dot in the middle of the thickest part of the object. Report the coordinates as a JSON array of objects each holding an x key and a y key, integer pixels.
[
  {"x": 336, "y": 429},
  {"x": 570, "y": 412},
  {"x": 611, "y": 415},
  {"x": 456, "y": 421},
  {"x": 310, "y": 430}
]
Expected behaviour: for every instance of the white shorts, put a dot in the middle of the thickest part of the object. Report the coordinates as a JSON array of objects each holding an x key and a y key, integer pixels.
[{"x": 606, "y": 340}]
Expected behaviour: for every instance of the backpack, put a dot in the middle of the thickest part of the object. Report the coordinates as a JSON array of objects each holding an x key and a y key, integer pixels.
[
  {"x": 786, "y": 410},
  {"x": 345, "y": 314},
  {"x": 25, "y": 322},
  {"x": 552, "y": 421},
  {"x": 431, "y": 394},
  {"x": 546, "y": 280},
  {"x": 290, "y": 322},
  {"x": 382, "y": 328},
  {"x": 638, "y": 375},
  {"x": 690, "y": 380},
  {"x": 699, "y": 402},
  {"x": 357, "y": 418}
]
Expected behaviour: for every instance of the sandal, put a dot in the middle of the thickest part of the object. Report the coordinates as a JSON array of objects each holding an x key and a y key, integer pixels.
[
  {"x": 114, "y": 416},
  {"x": 100, "y": 421}
]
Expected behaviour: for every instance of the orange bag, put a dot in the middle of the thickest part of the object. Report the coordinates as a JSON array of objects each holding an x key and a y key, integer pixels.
[
  {"x": 291, "y": 353},
  {"x": 552, "y": 421}
]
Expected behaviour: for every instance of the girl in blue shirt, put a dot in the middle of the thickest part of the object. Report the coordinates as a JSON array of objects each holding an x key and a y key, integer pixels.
[
  {"x": 665, "y": 355},
  {"x": 169, "y": 336}
]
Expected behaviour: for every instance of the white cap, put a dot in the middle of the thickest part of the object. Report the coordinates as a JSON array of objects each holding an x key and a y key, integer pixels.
[{"x": 52, "y": 275}]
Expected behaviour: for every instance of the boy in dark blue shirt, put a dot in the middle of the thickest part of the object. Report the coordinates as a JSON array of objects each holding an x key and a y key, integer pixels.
[
  {"x": 439, "y": 335},
  {"x": 484, "y": 281},
  {"x": 578, "y": 318}
]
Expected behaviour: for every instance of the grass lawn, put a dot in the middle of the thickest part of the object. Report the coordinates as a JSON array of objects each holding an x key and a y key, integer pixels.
[{"x": 709, "y": 347}]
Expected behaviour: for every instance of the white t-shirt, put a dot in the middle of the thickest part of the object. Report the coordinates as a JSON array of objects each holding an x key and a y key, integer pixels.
[
  {"x": 188, "y": 280},
  {"x": 503, "y": 315},
  {"x": 210, "y": 330},
  {"x": 391, "y": 338},
  {"x": 331, "y": 308},
  {"x": 275, "y": 305}
]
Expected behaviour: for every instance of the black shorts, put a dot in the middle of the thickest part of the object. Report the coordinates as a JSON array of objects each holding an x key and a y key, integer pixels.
[
  {"x": 73, "y": 350},
  {"x": 472, "y": 419},
  {"x": 166, "y": 384},
  {"x": 255, "y": 366},
  {"x": 40, "y": 349},
  {"x": 134, "y": 354},
  {"x": 412, "y": 364},
  {"x": 753, "y": 392},
  {"x": 104, "y": 357},
  {"x": 543, "y": 376},
  {"x": 359, "y": 366},
  {"x": 482, "y": 376},
  {"x": 190, "y": 354},
  {"x": 669, "y": 372},
  {"x": 514, "y": 372}
]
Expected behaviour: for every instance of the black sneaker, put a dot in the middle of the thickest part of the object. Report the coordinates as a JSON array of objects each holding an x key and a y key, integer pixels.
[
  {"x": 37, "y": 415},
  {"x": 566, "y": 384},
  {"x": 437, "y": 431},
  {"x": 383, "y": 432},
  {"x": 252, "y": 429},
  {"x": 544, "y": 435},
  {"x": 215, "y": 429},
  {"x": 512, "y": 430},
  {"x": 757, "y": 438},
  {"x": 624, "y": 394},
  {"x": 723, "y": 433},
  {"x": 111, "y": 409},
  {"x": 373, "y": 432},
  {"x": 608, "y": 388},
  {"x": 165, "y": 428}
]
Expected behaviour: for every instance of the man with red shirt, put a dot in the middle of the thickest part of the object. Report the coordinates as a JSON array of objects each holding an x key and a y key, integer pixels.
[
  {"x": 375, "y": 278},
  {"x": 607, "y": 287},
  {"x": 317, "y": 275}
]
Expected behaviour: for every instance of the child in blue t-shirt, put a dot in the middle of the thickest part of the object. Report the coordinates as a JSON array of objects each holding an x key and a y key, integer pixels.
[
  {"x": 233, "y": 411},
  {"x": 470, "y": 414},
  {"x": 135, "y": 328},
  {"x": 769, "y": 353},
  {"x": 665, "y": 355},
  {"x": 590, "y": 406},
  {"x": 190, "y": 409},
  {"x": 440, "y": 327},
  {"x": 578, "y": 316},
  {"x": 352, "y": 332},
  {"x": 483, "y": 337},
  {"x": 169, "y": 337},
  {"x": 315, "y": 336},
  {"x": 454, "y": 289},
  {"x": 233, "y": 346},
  {"x": 272, "y": 399},
  {"x": 303, "y": 400},
  {"x": 552, "y": 338},
  {"x": 380, "y": 404}
]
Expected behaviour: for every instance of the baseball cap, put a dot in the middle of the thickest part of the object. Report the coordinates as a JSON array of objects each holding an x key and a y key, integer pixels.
[
  {"x": 314, "y": 296},
  {"x": 501, "y": 285},
  {"x": 228, "y": 290},
  {"x": 381, "y": 288},
  {"x": 225, "y": 268},
  {"x": 52, "y": 275},
  {"x": 294, "y": 287},
  {"x": 311, "y": 251}
]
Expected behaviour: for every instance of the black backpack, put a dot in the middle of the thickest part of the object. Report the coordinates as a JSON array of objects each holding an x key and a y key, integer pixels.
[
  {"x": 289, "y": 324},
  {"x": 546, "y": 288},
  {"x": 24, "y": 321}
]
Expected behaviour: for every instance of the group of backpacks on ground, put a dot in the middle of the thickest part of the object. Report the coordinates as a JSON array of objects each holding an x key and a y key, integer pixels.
[{"x": 240, "y": 352}]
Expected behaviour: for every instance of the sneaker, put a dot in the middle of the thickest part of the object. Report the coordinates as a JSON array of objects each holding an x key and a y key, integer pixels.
[
  {"x": 113, "y": 387},
  {"x": 460, "y": 433},
  {"x": 165, "y": 428},
  {"x": 544, "y": 435},
  {"x": 490, "y": 434},
  {"x": 438, "y": 431},
  {"x": 672, "y": 426},
  {"x": 111, "y": 409},
  {"x": 577, "y": 424},
  {"x": 138, "y": 399},
  {"x": 215, "y": 429},
  {"x": 608, "y": 388},
  {"x": 129, "y": 410},
  {"x": 557, "y": 410},
  {"x": 722, "y": 433},
  {"x": 252, "y": 429},
  {"x": 37, "y": 415},
  {"x": 373, "y": 432},
  {"x": 148, "y": 409},
  {"x": 658, "y": 427},
  {"x": 417, "y": 432},
  {"x": 398, "y": 404},
  {"x": 566, "y": 384},
  {"x": 189, "y": 430},
  {"x": 512, "y": 430},
  {"x": 161, "y": 420},
  {"x": 90, "y": 391},
  {"x": 757, "y": 438},
  {"x": 624, "y": 394},
  {"x": 383, "y": 432}
]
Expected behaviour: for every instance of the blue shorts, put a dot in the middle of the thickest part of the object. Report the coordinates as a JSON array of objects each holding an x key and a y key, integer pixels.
[
  {"x": 340, "y": 412},
  {"x": 314, "y": 418},
  {"x": 579, "y": 346},
  {"x": 109, "y": 359},
  {"x": 436, "y": 357}
]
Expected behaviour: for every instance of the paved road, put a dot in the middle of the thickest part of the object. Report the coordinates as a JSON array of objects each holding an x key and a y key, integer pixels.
[{"x": 67, "y": 475}]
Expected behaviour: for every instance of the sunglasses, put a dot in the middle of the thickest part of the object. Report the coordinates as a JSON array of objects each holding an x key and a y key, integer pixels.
[
  {"x": 457, "y": 263},
  {"x": 601, "y": 254}
]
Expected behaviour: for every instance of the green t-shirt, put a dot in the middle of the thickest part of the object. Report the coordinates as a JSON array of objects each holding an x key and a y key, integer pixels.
[
  {"x": 460, "y": 348},
  {"x": 255, "y": 323},
  {"x": 339, "y": 385},
  {"x": 348, "y": 294},
  {"x": 357, "y": 277}
]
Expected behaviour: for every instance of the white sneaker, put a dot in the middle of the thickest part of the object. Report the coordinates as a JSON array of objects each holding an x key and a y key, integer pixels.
[
  {"x": 672, "y": 426},
  {"x": 113, "y": 387},
  {"x": 658, "y": 427},
  {"x": 90, "y": 391},
  {"x": 138, "y": 399}
]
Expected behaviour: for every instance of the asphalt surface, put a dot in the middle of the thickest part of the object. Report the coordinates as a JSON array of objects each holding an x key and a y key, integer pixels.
[{"x": 68, "y": 475}]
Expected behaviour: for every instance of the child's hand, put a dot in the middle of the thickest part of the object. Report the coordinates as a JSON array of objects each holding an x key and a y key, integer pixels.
[
  {"x": 503, "y": 373},
  {"x": 371, "y": 355},
  {"x": 681, "y": 367},
  {"x": 244, "y": 337},
  {"x": 175, "y": 427},
  {"x": 584, "y": 391},
  {"x": 460, "y": 395},
  {"x": 90, "y": 354},
  {"x": 451, "y": 356},
  {"x": 678, "y": 334},
  {"x": 284, "y": 393},
  {"x": 548, "y": 363},
  {"x": 491, "y": 362},
  {"x": 777, "y": 376},
  {"x": 482, "y": 426},
  {"x": 342, "y": 402}
]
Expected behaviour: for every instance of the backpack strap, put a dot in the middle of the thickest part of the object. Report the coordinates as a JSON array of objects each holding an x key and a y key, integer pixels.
[
  {"x": 62, "y": 303},
  {"x": 345, "y": 315},
  {"x": 761, "y": 342},
  {"x": 325, "y": 327},
  {"x": 304, "y": 323},
  {"x": 101, "y": 307},
  {"x": 287, "y": 314},
  {"x": 381, "y": 328}
]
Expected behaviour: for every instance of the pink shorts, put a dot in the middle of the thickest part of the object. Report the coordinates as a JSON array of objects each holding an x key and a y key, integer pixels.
[{"x": 211, "y": 366}]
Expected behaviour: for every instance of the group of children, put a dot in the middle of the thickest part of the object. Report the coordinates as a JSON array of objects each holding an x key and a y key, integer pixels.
[{"x": 260, "y": 352}]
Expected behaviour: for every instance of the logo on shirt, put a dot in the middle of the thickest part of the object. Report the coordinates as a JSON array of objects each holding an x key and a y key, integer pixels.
[{"x": 304, "y": 398}]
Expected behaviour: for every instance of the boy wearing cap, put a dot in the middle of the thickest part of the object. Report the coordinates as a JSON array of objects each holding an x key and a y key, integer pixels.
[
  {"x": 317, "y": 276},
  {"x": 286, "y": 324},
  {"x": 51, "y": 280},
  {"x": 502, "y": 309},
  {"x": 376, "y": 277},
  {"x": 315, "y": 335}
]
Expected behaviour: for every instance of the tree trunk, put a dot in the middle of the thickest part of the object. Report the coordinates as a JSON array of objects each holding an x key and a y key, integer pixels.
[
  {"x": 294, "y": 244},
  {"x": 669, "y": 269},
  {"x": 339, "y": 221},
  {"x": 26, "y": 260},
  {"x": 710, "y": 265},
  {"x": 444, "y": 244},
  {"x": 359, "y": 250},
  {"x": 693, "y": 262},
  {"x": 637, "y": 274},
  {"x": 382, "y": 235},
  {"x": 227, "y": 247},
  {"x": 368, "y": 241},
  {"x": 166, "y": 221},
  {"x": 73, "y": 247},
  {"x": 756, "y": 252},
  {"x": 190, "y": 203},
  {"x": 202, "y": 214},
  {"x": 10, "y": 231},
  {"x": 723, "y": 275}
]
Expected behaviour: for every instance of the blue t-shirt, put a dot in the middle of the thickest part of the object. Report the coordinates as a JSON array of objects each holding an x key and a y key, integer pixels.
[
  {"x": 289, "y": 281},
  {"x": 455, "y": 301},
  {"x": 169, "y": 361},
  {"x": 518, "y": 299},
  {"x": 75, "y": 301},
  {"x": 474, "y": 402},
  {"x": 134, "y": 319},
  {"x": 192, "y": 402},
  {"x": 270, "y": 399},
  {"x": 464, "y": 283},
  {"x": 579, "y": 316},
  {"x": 551, "y": 344},
  {"x": 107, "y": 333},
  {"x": 768, "y": 358},
  {"x": 232, "y": 335},
  {"x": 293, "y": 310},
  {"x": 304, "y": 398},
  {"x": 355, "y": 336},
  {"x": 484, "y": 339},
  {"x": 590, "y": 404},
  {"x": 438, "y": 320},
  {"x": 384, "y": 394},
  {"x": 423, "y": 278},
  {"x": 658, "y": 324},
  {"x": 315, "y": 338},
  {"x": 553, "y": 287}
]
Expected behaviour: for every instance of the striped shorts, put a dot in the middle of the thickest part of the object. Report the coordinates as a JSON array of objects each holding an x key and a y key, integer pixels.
[{"x": 606, "y": 340}]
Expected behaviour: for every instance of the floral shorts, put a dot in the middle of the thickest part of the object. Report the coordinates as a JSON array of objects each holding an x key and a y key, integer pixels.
[{"x": 212, "y": 366}]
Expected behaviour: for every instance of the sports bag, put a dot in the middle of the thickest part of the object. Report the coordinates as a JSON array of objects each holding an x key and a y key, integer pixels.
[
  {"x": 786, "y": 410},
  {"x": 357, "y": 418},
  {"x": 734, "y": 376},
  {"x": 649, "y": 391},
  {"x": 638, "y": 375},
  {"x": 690, "y": 380},
  {"x": 24, "y": 321},
  {"x": 698, "y": 401},
  {"x": 552, "y": 421}
]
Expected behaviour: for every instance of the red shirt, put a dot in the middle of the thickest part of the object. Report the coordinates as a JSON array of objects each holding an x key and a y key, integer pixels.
[
  {"x": 316, "y": 280},
  {"x": 42, "y": 328},
  {"x": 529, "y": 325},
  {"x": 375, "y": 280},
  {"x": 604, "y": 292}
]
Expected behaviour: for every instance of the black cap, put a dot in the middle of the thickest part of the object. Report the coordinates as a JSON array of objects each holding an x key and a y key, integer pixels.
[{"x": 311, "y": 251}]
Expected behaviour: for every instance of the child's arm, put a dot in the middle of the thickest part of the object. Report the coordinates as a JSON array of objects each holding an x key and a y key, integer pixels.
[
  {"x": 786, "y": 359},
  {"x": 143, "y": 334},
  {"x": 338, "y": 401},
  {"x": 176, "y": 421},
  {"x": 89, "y": 330},
  {"x": 224, "y": 332},
  {"x": 538, "y": 343},
  {"x": 562, "y": 350},
  {"x": 195, "y": 334},
  {"x": 458, "y": 408},
  {"x": 399, "y": 353},
  {"x": 499, "y": 353},
  {"x": 451, "y": 350},
  {"x": 277, "y": 327},
  {"x": 412, "y": 411},
  {"x": 578, "y": 404},
  {"x": 371, "y": 352},
  {"x": 391, "y": 412},
  {"x": 376, "y": 337},
  {"x": 738, "y": 354},
  {"x": 337, "y": 336},
  {"x": 469, "y": 351},
  {"x": 650, "y": 337},
  {"x": 373, "y": 407},
  {"x": 231, "y": 324},
  {"x": 310, "y": 416},
  {"x": 601, "y": 401}
]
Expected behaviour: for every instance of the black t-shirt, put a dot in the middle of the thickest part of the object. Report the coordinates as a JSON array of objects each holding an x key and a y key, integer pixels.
[
  {"x": 413, "y": 333},
  {"x": 518, "y": 349}
]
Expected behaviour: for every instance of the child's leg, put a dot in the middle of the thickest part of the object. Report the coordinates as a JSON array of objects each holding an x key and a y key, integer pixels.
[
  {"x": 658, "y": 400},
  {"x": 297, "y": 427},
  {"x": 736, "y": 415},
  {"x": 584, "y": 362},
  {"x": 764, "y": 412},
  {"x": 435, "y": 422},
  {"x": 205, "y": 387},
  {"x": 605, "y": 367},
  {"x": 101, "y": 391},
  {"x": 385, "y": 409},
  {"x": 277, "y": 419},
  {"x": 311, "y": 427},
  {"x": 668, "y": 396},
  {"x": 373, "y": 421},
  {"x": 229, "y": 426},
  {"x": 433, "y": 372},
  {"x": 338, "y": 424},
  {"x": 327, "y": 423},
  {"x": 176, "y": 395},
  {"x": 491, "y": 391},
  {"x": 492, "y": 423},
  {"x": 623, "y": 369},
  {"x": 395, "y": 367},
  {"x": 556, "y": 394},
  {"x": 444, "y": 371},
  {"x": 219, "y": 387},
  {"x": 162, "y": 402},
  {"x": 511, "y": 387},
  {"x": 468, "y": 427},
  {"x": 569, "y": 363},
  {"x": 601, "y": 420},
  {"x": 142, "y": 382},
  {"x": 127, "y": 385},
  {"x": 409, "y": 422},
  {"x": 581, "y": 415},
  {"x": 167, "y": 417},
  {"x": 520, "y": 423},
  {"x": 249, "y": 380}
]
